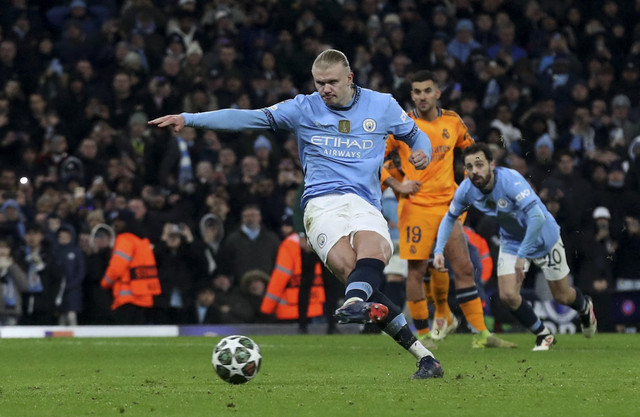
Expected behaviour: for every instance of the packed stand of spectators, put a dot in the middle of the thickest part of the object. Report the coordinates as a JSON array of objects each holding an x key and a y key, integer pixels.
[{"x": 553, "y": 86}]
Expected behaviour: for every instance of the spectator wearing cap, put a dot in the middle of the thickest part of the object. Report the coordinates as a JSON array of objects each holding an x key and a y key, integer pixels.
[
  {"x": 389, "y": 21},
  {"x": 542, "y": 165},
  {"x": 263, "y": 150},
  {"x": 595, "y": 266},
  {"x": 629, "y": 83},
  {"x": 175, "y": 47},
  {"x": 72, "y": 262},
  {"x": 463, "y": 43},
  {"x": 193, "y": 69},
  {"x": 623, "y": 128},
  {"x": 97, "y": 309},
  {"x": 12, "y": 220},
  {"x": 211, "y": 234}
]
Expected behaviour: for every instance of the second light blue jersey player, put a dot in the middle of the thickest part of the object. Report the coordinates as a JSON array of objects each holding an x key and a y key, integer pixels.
[
  {"x": 528, "y": 234},
  {"x": 510, "y": 201},
  {"x": 341, "y": 149}
]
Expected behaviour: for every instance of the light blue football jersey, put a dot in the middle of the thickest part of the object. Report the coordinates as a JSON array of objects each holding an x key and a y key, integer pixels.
[
  {"x": 341, "y": 149},
  {"x": 507, "y": 201}
]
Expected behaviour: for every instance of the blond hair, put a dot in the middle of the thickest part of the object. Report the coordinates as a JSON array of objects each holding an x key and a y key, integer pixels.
[{"x": 330, "y": 57}]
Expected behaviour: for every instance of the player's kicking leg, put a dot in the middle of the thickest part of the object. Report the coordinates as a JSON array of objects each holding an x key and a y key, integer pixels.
[{"x": 365, "y": 303}]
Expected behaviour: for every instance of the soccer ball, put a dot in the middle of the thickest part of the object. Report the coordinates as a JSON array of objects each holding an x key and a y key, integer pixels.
[{"x": 236, "y": 359}]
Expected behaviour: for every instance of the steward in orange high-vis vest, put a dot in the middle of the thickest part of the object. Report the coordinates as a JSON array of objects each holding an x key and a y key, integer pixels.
[
  {"x": 132, "y": 274},
  {"x": 283, "y": 290}
]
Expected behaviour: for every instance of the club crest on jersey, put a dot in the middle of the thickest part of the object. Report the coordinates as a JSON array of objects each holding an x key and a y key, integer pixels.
[
  {"x": 445, "y": 134},
  {"x": 344, "y": 126},
  {"x": 502, "y": 203},
  {"x": 322, "y": 240},
  {"x": 369, "y": 125}
]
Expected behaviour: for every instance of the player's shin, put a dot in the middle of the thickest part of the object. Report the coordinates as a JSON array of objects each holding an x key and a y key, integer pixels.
[
  {"x": 440, "y": 290},
  {"x": 471, "y": 307},
  {"x": 366, "y": 278},
  {"x": 528, "y": 318},
  {"x": 396, "y": 326},
  {"x": 420, "y": 316}
]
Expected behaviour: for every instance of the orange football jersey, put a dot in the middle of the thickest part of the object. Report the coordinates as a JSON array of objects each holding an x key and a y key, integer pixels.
[{"x": 446, "y": 132}]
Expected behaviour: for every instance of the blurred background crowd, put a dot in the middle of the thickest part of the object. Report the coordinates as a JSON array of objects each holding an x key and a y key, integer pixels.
[{"x": 553, "y": 86}]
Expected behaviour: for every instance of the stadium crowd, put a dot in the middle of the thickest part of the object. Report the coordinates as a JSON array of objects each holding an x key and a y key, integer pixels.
[{"x": 552, "y": 86}]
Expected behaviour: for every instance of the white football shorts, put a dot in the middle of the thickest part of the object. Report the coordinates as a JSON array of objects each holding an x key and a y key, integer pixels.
[
  {"x": 553, "y": 265},
  {"x": 329, "y": 217}
]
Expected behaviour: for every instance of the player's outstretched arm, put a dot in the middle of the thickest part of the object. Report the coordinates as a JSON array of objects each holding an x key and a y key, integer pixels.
[{"x": 175, "y": 120}]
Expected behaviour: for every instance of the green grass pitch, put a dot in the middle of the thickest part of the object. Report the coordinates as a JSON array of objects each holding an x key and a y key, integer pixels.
[{"x": 341, "y": 375}]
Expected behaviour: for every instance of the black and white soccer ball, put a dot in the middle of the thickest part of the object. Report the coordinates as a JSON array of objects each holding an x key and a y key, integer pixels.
[{"x": 236, "y": 359}]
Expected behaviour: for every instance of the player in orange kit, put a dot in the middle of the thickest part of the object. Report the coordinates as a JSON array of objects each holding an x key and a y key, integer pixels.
[{"x": 424, "y": 200}]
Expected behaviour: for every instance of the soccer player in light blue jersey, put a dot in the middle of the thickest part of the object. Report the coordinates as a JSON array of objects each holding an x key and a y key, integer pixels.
[
  {"x": 341, "y": 131},
  {"x": 528, "y": 233}
]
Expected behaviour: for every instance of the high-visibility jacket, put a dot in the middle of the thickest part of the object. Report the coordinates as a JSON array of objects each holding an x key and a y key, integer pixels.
[
  {"x": 132, "y": 273},
  {"x": 483, "y": 249},
  {"x": 284, "y": 286}
]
